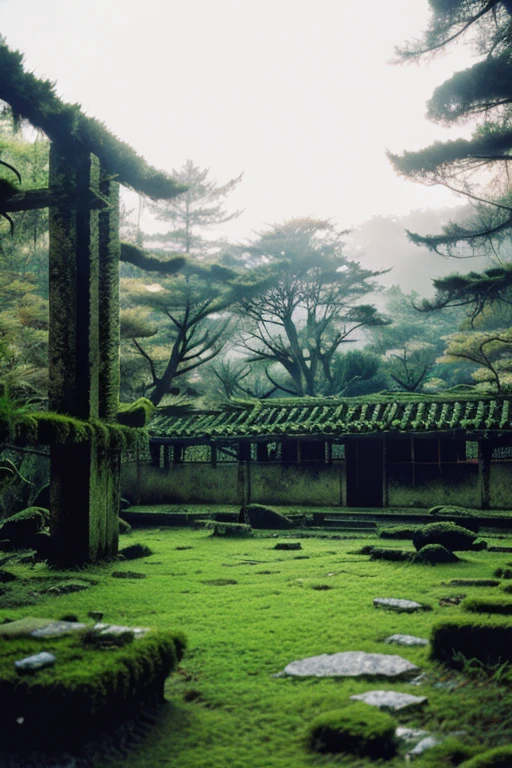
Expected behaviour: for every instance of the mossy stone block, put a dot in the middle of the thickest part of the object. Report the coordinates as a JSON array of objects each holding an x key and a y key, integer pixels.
[{"x": 358, "y": 729}]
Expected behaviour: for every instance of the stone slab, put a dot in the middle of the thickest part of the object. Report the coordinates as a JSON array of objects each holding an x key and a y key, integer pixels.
[
  {"x": 422, "y": 746},
  {"x": 58, "y": 628},
  {"x": 33, "y": 663},
  {"x": 30, "y": 625},
  {"x": 390, "y": 700},
  {"x": 407, "y": 640},
  {"x": 114, "y": 630},
  {"x": 353, "y": 664},
  {"x": 398, "y": 604},
  {"x": 410, "y": 734}
]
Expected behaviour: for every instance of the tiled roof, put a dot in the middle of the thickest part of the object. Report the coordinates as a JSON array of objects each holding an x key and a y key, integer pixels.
[{"x": 336, "y": 417}]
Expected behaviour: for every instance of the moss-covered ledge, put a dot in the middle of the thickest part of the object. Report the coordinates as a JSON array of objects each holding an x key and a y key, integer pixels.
[{"x": 47, "y": 428}]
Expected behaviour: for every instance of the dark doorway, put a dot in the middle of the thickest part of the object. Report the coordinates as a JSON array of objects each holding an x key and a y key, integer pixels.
[{"x": 365, "y": 472}]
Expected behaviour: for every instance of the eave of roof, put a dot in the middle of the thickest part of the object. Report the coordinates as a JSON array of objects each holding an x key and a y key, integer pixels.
[{"x": 335, "y": 417}]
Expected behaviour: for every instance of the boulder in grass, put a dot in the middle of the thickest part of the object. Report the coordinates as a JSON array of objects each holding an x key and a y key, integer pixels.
[
  {"x": 134, "y": 551},
  {"x": 21, "y": 528},
  {"x": 261, "y": 517},
  {"x": 449, "y": 535},
  {"x": 357, "y": 729},
  {"x": 433, "y": 554}
]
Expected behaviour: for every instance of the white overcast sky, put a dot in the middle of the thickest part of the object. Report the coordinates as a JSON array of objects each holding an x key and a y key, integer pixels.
[{"x": 298, "y": 94}]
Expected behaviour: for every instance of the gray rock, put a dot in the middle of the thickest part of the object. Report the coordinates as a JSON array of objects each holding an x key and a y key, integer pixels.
[
  {"x": 422, "y": 746},
  {"x": 33, "y": 663},
  {"x": 397, "y": 604},
  {"x": 392, "y": 700},
  {"x": 408, "y": 640},
  {"x": 410, "y": 734},
  {"x": 58, "y": 628},
  {"x": 113, "y": 630},
  {"x": 353, "y": 664}
]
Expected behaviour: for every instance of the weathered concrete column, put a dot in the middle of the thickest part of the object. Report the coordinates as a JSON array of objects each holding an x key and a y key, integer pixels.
[{"x": 83, "y": 358}]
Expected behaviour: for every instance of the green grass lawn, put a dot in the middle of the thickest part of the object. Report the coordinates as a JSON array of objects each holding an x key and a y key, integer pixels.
[{"x": 224, "y": 708}]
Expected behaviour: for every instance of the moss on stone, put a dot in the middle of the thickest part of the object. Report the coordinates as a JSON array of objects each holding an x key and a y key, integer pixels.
[
  {"x": 493, "y": 605},
  {"x": 484, "y": 638},
  {"x": 433, "y": 554},
  {"x": 22, "y": 527},
  {"x": 500, "y": 757},
  {"x": 259, "y": 516},
  {"x": 357, "y": 729},
  {"x": 449, "y": 535},
  {"x": 87, "y": 686},
  {"x": 136, "y": 414}
]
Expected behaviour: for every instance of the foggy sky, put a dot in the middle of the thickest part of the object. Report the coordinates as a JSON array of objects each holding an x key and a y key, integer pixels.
[{"x": 298, "y": 94}]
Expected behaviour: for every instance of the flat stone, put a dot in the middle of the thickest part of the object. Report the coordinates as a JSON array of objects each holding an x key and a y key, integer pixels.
[
  {"x": 397, "y": 604},
  {"x": 113, "y": 630},
  {"x": 392, "y": 700},
  {"x": 33, "y": 663},
  {"x": 58, "y": 628},
  {"x": 422, "y": 746},
  {"x": 408, "y": 640},
  {"x": 353, "y": 664},
  {"x": 30, "y": 624},
  {"x": 410, "y": 734}
]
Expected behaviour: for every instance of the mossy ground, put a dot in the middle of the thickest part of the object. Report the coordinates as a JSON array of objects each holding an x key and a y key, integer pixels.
[{"x": 224, "y": 707}]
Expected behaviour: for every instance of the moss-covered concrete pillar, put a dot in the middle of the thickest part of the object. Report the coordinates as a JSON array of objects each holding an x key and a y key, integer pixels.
[{"x": 83, "y": 357}]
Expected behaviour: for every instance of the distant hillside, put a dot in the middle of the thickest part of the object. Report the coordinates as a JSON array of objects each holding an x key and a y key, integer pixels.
[{"x": 381, "y": 242}]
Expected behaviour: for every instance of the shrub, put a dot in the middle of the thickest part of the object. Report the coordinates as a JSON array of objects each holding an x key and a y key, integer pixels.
[
  {"x": 259, "y": 516},
  {"x": 398, "y": 532},
  {"x": 21, "y": 528},
  {"x": 449, "y": 535},
  {"x": 500, "y": 757},
  {"x": 394, "y": 555},
  {"x": 432, "y": 554},
  {"x": 480, "y": 605},
  {"x": 485, "y": 639},
  {"x": 358, "y": 729},
  {"x": 228, "y": 529}
]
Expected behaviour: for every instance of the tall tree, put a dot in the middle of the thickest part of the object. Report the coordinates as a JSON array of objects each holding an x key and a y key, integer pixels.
[
  {"x": 194, "y": 213},
  {"x": 484, "y": 92},
  {"x": 312, "y": 307}
]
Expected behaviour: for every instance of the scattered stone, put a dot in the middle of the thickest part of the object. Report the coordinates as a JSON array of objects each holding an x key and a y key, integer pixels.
[
  {"x": 25, "y": 627},
  {"x": 69, "y": 617},
  {"x": 408, "y": 640},
  {"x": 420, "y": 679},
  {"x": 219, "y": 582},
  {"x": 67, "y": 588},
  {"x": 96, "y": 615},
  {"x": 134, "y": 551},
  {"x": 128, "y": 575},
  {"x": 353, "y": 664},
  {"x": 111, "y": 630},
  {"x": 6, "y": 576},
  {"x": 451, "y": 600},
  {"x": 180, "y": 549},
  {"x": 422, "y": 746},
  {"x": 58, "y": 628},
  {"x": 392, "y": 700},
  {"x": 399, "y": 605},
  {"x": 410, "y": 734},
  {"x": 33, "y": 663},
  {"x": 288, "y": 545}
]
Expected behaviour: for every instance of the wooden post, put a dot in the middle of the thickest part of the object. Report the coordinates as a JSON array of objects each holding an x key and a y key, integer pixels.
[
  {"x": 484, "y": 471},
  {"x": 83, "y": 360}
]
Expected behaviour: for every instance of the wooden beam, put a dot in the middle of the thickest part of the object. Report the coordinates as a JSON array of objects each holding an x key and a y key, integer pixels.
[{"x": 49, "y": 198}]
